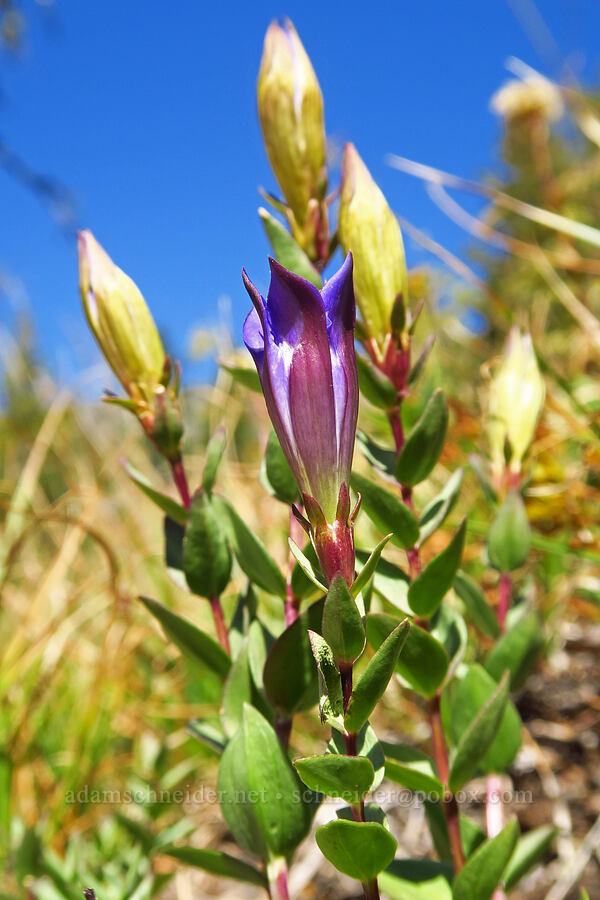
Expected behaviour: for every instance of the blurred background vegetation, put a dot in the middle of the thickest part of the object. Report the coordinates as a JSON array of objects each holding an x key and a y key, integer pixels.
[{"x": 90, "y": 694}]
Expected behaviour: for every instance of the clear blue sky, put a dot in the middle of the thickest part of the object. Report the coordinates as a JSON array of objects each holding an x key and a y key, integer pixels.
[{"x": 146, "y": 110}]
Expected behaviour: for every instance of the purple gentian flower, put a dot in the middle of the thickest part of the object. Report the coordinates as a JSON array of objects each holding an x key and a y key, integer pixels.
[{"x": 302, "y": 341}]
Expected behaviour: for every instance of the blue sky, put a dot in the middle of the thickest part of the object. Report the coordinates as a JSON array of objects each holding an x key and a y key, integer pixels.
[{"x": 146, "y": 111}]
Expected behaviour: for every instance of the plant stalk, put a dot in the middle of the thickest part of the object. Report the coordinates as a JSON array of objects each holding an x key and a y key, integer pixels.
[{"x": 221, "y": 627}]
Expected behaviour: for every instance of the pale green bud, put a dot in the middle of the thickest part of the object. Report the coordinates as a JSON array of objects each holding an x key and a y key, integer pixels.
[
  {"x": 368, "y": 228},
  {"x": 121, "y": 322},
  {"x": 516, "y": 398},
  {"x": 290, "y": 108}
]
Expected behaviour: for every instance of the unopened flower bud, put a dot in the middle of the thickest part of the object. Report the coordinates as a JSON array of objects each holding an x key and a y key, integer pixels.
[
  {"x": 290, "y": 108},
  {"x": 368, "y": 228},
  {"x": 515, "y": 402},
  {"x": 120, "y": 320},
  {"x": 125, "y": 330}
]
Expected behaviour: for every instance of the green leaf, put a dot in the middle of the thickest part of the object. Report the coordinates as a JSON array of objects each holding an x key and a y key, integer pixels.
[
  {"x": 346, "y": 777},
  {"x": 424, "y": 444},
  {"x": 240, "y": 689},
  {"x": 214, "y": 453},
  {"x": 368, "y": 570},
  {"x": 432, "y": 584},
  {"x": 509, "y": 539},
  {"x": 167, "y": 504},
  {"x": 261, "y": 796},
  {"x": 260, "y": 641},
  {"x": 376, "y": 387},
  {"x": 411, "y": 768},
  {"x": 193, "y": 643},
  {"x": 390, "y": 582},
  {"x": 331, "y": 701},
  {"x": 450, "y": 629},
  {"x": 174, "y": 537},
  {"x": 374, "y": 680},
  {"x": 251, "y": 554},
  {"x": 373, "y": 813},
  {"x": 244, "y": 375},
  {"x": 437, "y": 510},
  {"x": 478, "y": 737},
  {"x": 380, "y": 457},
  {"x": 218, "y": 863},
  {"x": 358, "y": 849},
  {"x": 206, "y": 553},
  {"x": 6, "y": 772},
  {"x": 471, "y": 834},
  {"x": 387, "y": 512},
  {"x": 290, "y": 675},
  {"x": 342, "y": 623},
  {"x": 477, "y": 606},
  {"x": 517, "y": 650},
  {"x": 306, "y": 566},
  {"x": 367, "y": 745},
  {"x": 275, "y": 473},
  {"x": 208, "y": 734},
  {"x": 417, "y": 369},
  {"x": 482, "y": 872},
  {"x": 286, "y": 250},
  {"x": 530, "y": 850},
  {"x": 423, "y": 662},
  {"x": 417, "y": 879},
  {"x": 462, "y": 699}
]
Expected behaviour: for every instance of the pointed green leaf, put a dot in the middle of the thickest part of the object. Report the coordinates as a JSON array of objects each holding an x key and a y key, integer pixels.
[
  {"x": 306, "y": 566},
  {"x": 261, "y": 796},
  {"x": 346, "y": 777},
  {"x": 477, "y": 606},
  {"x": 208, "y": 734},
  {"x": 390, "y": 582},
  {"x": 372, "y": 683},
  {"x": 240, "y": 689},
  {"x": 342, "y": 623},
  {"x": 275, "y": 473},
  {"x": 482, "y": 872},
  {"x": 286, "y": 250},
  {"x": 509, "y": 539},
  {"x": 167, "y": 504},
  {"x": 290, "y": 675},
  {"x": 218, "y": 863},
  {"x": 368, "y": 570},
  {"x": 376, "y": 387},
  {"x": 530, "y": 850},
  {"x": 214, "y": 453},
  {"x": 478, "y": 737},
  {"x": 387, "y": 511},
  {"x": 424, "y": 444},
  {"x": 260, "y": 642},
  {"x": 517, "y": 650},
  {"x": 437, "y": 510},
  {"x": 450, "y": 629},
  {"x": 379, "y": 457},
  {"x": 412, "y": 768},
  {"x": 206, "y": 554},
  {"x": 423, "y": 662},
  {"x": 174, "y": 537},
  {"x": 462, "y": 699},
  {"x": 254, "y": 559},
  {"x": 358, "y": 849},
  {"x": 244, "y": 375},
  {"x": 432, "y": 584},
  {"x": 193, "y": 643},
  {"x": 417, "y": 369}
]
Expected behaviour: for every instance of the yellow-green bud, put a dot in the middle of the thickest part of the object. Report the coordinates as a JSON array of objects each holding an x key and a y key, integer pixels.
[
  {"x": 368, "y": 228},
  {"x": 290, "y": 108},
  {"x": 121, "y": 322},
  {"x": 515, "y": 402}
]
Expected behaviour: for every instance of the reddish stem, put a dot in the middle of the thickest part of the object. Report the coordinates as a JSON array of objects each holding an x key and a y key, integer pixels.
[
  {"x": 505, "y": 598},
  {"x": 221, "y": 627},
  {"x": 180, "y": 479}
]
